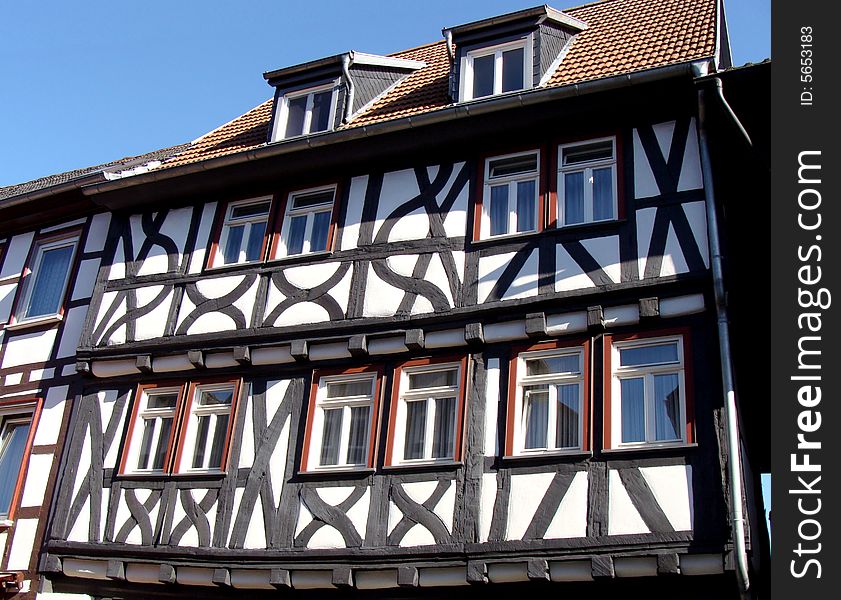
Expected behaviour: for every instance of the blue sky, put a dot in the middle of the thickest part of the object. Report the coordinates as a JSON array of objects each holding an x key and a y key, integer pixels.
[{"x": 82, "y": 83}]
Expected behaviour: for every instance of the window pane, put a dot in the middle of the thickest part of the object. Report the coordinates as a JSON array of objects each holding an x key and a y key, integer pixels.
[
  {"x": 201, "y": 441},
  {"x": 655, "y": 354},
  {"x": 216, "y": 397},
  {"x": 568, "y": 363},
  {"x": 502, "y": 167},
  {"x": 633, "y": 410},
  {"x": 537, "y": 416},
  {"x": 320, "y": 231},
  {"x": 296, "y": 109},
  {"x": 588, "y": 153},
  {"x": 666, "y": 406},
  {"x": 163, "y": 442},
  {"x": 320, "y": 111},
  {"x": 297, "y": 229},
  {"x": 573, "y": 198},
  {"x": 314, "y": 199},
  {"x": 233, "y": 244},
  {"x": 161, "y": 401},
  {"x": 50, "y": 277},
  {"x": 602, "y": 194},
  {"x": 512, "y": 70},
  {"x": 566, "y": 433},
  {"x": 415, "y": 429},
  {"x": 483, "y": 76},
  {"x": 146, "y": 443},
  {"x": 243, "y": 211},
  {"x": 346, "y": 389},
  {"x": 444, "y": 434},
  {"x": 331, "y": 436},
  {"x": 526, "y": 200},
  {"x": 358, "y": 441},
  {"x": 255, "y": 241},
  {"x": 12, "y": 446},
  {"x": 433, "y": 379},
  {"x": 499, "y": 209},
  {"x": 218, "y": 445}
]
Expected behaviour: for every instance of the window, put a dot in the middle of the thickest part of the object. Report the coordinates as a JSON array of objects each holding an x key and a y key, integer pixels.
[
  {"x": 496, "y": 70},
  {"x": 45, "y": 278},
  {"x": 305, "y": 111},
  {"x": 548, "y": 411},
  {"x": 174, "y": 432},
  {"x": 587, "y": 182},
  {"x": 510, "y": 202},
  {"x": 307, "y": 222},
  {"x": 342, "y": 413},
  {"x": 17, "y": 428},
  {"x": 426, "y": 412},
  {"x": 243, "y": 233},
  {"x": 648, "y": 392}
]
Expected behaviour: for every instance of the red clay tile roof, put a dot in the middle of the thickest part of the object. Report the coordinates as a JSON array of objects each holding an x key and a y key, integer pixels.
[{"x": 622, "y": 36}]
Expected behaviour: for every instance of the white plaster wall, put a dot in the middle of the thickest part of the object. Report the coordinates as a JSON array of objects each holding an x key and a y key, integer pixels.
[
  {"x": 203, "y": 238},
  {"x": 455, "y": 223},
  {"x": 52, "y": 412},
  {"x": 570, "y": 520},
  {"x": 37, "y": 476},
  {"x": 690, "y": 173},
  {"x": 672, "y": 488},
  {"x": 696, "y": 214},
  {"x": 353, "y": 215},
  {"x": 7, "y": 298},
  {"x": 605, "y": 251},
  {"x": 399, "y": 187},
  {"x": 381, "y": 298},
  {"x": 107, "y": 405},
  {"x": 568, "y": 275},
  {"x": 22, "y": 541},
  {"x": 29, "y": 347},
  {"x": 524, "y": 284},
  {"x": 16, "y": 252},
  {"x": 119, "y": 336},
  {"x": 98, "y": 232},
  {"x": 85, "y": 279},
  {"x": 645, "y": 186},
  {"x": 492, "y": 393},
  {"x": 74, "y": 322},
  {"x": 152, "y": 324},
  {"x": 645, "y": 227},
  {"x": 527, "y": 492},
  {"x": 486, "y": 505},
  {"x": 622, "y": 517}
]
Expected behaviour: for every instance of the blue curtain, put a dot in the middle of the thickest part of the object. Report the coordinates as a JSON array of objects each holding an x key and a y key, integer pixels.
[
  {"x": 537, "y": 416},
  {"x": 255, "y": 241},
  {"x": 297, "y": 108},
  {"x": 49, "y": 280},
  {"x": 498, "y": 210},
  {"x": 525, "y": 205},
  {"x": 566, "y": 432},
  {"x": 11, "y": 455},
  {"x": 358, "y": 442},
  {"x": 233, "y": 243},
  {"x": 415, "y": 429},
  {"x": 602, "y": 194},
  {"x": 331, "y": 436},
  {"x": 443, "y": 435},
  {"x": 666, "y": 406},
  {"x": 320, "y": 231},
  {"x": 633, "y": 409},
  {"x": 297, "y": 230},
  {"x": 573, "y": 198}
]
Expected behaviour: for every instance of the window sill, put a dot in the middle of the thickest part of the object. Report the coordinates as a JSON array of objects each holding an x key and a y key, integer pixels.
[
  {"x": 587, "y": 225},
  {"x": 36, "y": 322},
  {"x": 6, "y": 524},
  {"x": 548, "y": 455},
  {"x": 298, "y": 258},
  {"x": 508, "y": 237},
  {"x": 336, "y": 474},
  {"x": 449, "y": 465},
  {"x": 650, "y": 447},
  {"x": 232, "y": 266}
]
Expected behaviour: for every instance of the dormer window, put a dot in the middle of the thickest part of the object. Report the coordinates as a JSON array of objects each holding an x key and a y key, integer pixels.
[
  {"x": 497, "y": 70},
  {"x": 306, "y": 111}
]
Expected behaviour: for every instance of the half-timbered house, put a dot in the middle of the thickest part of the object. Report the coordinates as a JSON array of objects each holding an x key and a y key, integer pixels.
[{"x": 420, "y": 325}]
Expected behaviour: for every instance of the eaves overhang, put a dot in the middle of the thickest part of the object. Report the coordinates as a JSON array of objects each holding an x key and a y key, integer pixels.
[{"x": 454, "y": 113}]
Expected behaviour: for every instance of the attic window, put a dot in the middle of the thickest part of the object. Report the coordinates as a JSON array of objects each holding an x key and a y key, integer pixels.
[
  {"x": 496, "y": 70},
  {"x": 305, "y": 111}
]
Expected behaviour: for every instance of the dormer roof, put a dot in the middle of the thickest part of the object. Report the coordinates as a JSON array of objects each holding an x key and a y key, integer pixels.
[{"x": 535, "y": 15}]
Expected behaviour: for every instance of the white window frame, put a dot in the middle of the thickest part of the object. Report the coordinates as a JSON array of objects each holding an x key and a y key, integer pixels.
[
  {"x": 587, "y": 169},
  {"x": 31, "y": 276},
  {"x": 290, "y": 212},
  {"x": 322, "y": 403},
  {"x": 16, "y": 413},
  {"x": 511, "y": 181},
  {"x": 143, "y": 412},
  {"x": 466, "y": 88},
  {"x": 229, "y": 221},
  {"x": 648, "y": 372},
  {"x": 279, "y": 132},
  {"x": 552, "y": 379},
  {"x": 188, "y": 444},
  {"x": 429, "y": 395}
]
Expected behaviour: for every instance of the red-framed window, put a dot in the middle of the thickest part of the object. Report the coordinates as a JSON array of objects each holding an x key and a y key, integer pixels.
[
  {"x": 426, "y": 420},
  {"x": 45, "y": 280},
  {"x": 549, "y": 404},
  {"x": 342, "y": 419},
  {"x": 511, "y": 195},
  {"x": 181, "y": 427},
  {"x": 306, "y": 222},
  {"x": 240, "y": 235},
  {"x": 18, "y": 422},
  {"x": 648, "y": 390}
]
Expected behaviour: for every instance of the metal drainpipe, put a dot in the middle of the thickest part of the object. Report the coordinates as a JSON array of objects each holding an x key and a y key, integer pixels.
[
  {"x": 347, "y": 61},
  {"x": 734, "y": 462}
]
